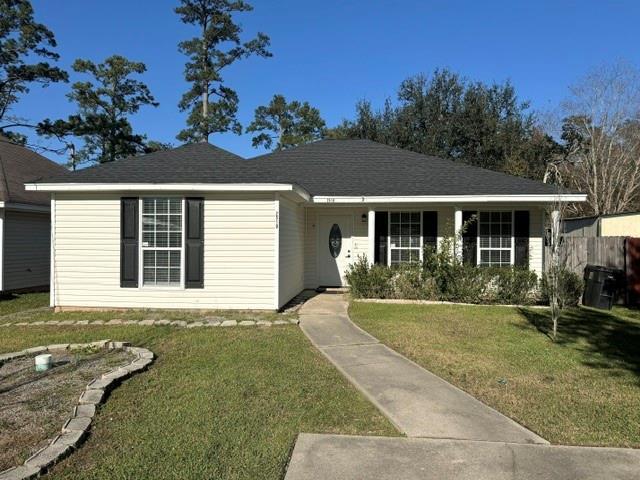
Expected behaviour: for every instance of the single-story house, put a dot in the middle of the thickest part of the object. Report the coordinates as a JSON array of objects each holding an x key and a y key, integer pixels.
[
  {"x": 199, "y": 227},
  {"x": 612, "y": 225},
  {"x": 24, "y": 218}
]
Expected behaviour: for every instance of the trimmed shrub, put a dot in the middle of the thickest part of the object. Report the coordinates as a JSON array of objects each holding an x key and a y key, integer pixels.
[
  {"x": 570, "y": 286},
  {"x": 514, "y": 285}
]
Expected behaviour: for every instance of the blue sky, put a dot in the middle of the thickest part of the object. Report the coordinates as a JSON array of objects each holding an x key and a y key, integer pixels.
[{"x": 332, "y": 53}]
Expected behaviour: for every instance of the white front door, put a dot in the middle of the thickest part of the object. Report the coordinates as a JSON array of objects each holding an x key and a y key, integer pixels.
[{"x": 334, "y": 249}]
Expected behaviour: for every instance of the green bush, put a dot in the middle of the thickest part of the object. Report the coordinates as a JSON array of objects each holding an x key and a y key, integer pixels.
[
  {"x": 441, "y": 276},
  {"x": 570, "y": 287},
  {"x": 369, "y": 281},
  {"x": 514, "y": 285}
]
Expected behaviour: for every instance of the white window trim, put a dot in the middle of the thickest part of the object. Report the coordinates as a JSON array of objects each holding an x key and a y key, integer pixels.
[
  {"x": 141, "y": 284},
  {"x": 512, "y": 249},
  {"x": 409, "y": 210}
]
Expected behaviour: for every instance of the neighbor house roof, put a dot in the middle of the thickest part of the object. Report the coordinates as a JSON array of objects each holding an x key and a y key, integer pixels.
[
  {"x": 349, "y": 168},
  {"x": 19, "y": 165}
]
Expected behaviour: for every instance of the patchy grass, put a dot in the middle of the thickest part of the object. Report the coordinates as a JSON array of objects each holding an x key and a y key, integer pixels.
[
  {"x": 18, "y": 308},
  {"x": 583, "y": 389},
  {"x": 217, "y": 403},
  {"x": 17, "y": 302}
]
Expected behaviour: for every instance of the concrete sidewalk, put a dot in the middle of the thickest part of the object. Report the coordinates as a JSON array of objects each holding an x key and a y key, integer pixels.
[
  {"x": 418, "y": 402},
  {"x": 319, "y": 457}
]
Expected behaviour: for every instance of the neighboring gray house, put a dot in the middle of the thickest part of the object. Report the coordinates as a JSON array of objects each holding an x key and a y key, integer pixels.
[
  {"x": 25, "y": 218},
  {"x": 200, "y": 227}
]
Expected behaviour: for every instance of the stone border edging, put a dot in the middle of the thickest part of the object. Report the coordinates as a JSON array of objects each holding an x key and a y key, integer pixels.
[
  {"x": 76, "y": 428},
  {"x": 221, "y": 322},
  {"x": 401, "y": 301}
]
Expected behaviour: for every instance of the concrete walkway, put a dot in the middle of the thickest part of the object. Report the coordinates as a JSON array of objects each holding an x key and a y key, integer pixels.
[
  {"x": 461, "y": 438},
  {"x": 418, "y": 402},
  {"x": 319, "y": 457}
]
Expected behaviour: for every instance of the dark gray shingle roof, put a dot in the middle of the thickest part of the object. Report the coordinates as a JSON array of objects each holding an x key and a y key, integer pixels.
[
  {"x": 18, "y": 165},
  {"x": 326, "y": 167}
]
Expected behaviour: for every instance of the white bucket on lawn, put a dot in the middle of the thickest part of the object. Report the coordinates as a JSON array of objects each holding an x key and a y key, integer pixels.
[{"x": 43, "y": 362}]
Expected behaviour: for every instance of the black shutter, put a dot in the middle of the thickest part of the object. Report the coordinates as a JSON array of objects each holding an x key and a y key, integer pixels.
[
  {"x": 430, "y": 229},
  {"x": 381, "y": 235},
  {"x": 470, "y": 237},
  {"x": 128, "y": 242},
  {"x": 194, "y": 243},
  {"x": 521, "y": 237}
]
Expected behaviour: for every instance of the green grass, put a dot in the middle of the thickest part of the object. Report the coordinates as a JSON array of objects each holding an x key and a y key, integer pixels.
[
  {"x": 18, "y": 302},
  {"x": 217, "y": 403},
  {"x": 583, "y": 389}
]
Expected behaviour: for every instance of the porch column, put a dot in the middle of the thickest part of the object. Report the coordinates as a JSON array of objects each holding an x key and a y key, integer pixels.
[
  {"x": 371, "y": 226},
  {"x": 457, "y": 225}
]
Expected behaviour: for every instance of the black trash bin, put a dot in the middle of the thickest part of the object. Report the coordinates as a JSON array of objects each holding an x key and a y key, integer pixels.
[{"x": 601, "y": 286}]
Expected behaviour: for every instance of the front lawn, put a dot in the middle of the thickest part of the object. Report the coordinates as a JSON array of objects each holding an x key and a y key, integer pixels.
[
  {"x": 582, "y": 390},
  {"x": 217, "y": 403}
]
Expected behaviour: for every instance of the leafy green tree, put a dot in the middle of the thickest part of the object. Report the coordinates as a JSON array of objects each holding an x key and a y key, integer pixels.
[
  {"x": 105, "y": 104},
  {"x": 447, "y": 116},
  {"x": 22, "y": 42},
  {"x": 288, "y": 124},
  {"x": 213, "y": 105}
]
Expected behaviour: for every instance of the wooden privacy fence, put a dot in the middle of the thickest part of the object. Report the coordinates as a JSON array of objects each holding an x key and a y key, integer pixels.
[
  {"x": 583, "y": 251},
  {"x": 622, "y": 253}
]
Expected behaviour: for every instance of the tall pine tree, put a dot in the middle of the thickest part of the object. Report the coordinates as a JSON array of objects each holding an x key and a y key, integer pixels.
[
  {"x": 105, "y": 103},
  {"x": 213, "y": 105},
  {"x": 22, "y": 42},
  {"x": 288, "y": 124}
]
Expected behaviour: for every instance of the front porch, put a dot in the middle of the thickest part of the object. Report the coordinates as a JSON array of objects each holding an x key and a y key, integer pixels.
[{"x": 500, "y": 235}]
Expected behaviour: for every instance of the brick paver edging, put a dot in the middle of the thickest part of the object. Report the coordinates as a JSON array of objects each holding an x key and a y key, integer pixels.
[
  {"x": 145, "y": 323},
  {"x": 76, "y": 428}
]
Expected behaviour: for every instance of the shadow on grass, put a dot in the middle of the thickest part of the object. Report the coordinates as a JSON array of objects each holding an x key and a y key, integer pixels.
[{"x": 606, "y": 340}]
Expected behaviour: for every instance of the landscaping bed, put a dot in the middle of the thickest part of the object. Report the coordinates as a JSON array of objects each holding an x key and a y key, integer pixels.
[
  {"x": 583, "y": 389},
  {"x": 34, "y": 405}
]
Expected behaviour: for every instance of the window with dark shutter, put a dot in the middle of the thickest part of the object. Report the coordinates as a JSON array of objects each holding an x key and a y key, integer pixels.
[
  {"x": 521, "y": 238},
  {"x": 128, "y": 242},
  {"x": 469, "y": 237},
  {"x": 381, "y": 236},
  {"x": 194, "y": 243}
]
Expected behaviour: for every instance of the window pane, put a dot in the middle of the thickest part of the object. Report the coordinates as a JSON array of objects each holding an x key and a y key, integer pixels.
[
  {"x": 148, "y": 205},
  {"x": 405, "y": 217},
  {"x": 162, "y": 228},
  {"x": 162, "y": 205},
  {"x": 395, "y": 229},
  {"x": 415, "y": 217},
  {"x": 495, "y": 238},
  {"x": 175, "y": 205},
  {"x": 149, "y": 276},
  {"x": 174, "y": 275},
  {"x": 395, "y": 217}
]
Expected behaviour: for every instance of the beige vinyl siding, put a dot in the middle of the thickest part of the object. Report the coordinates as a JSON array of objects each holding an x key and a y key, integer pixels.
[
  {"x": 291, "y": 245},
  {"x": 536, "y": 240},
  {"x": 239, "y": 255},
  {"x": 622, "y": 226},
  {"x": 359, "y": 238},
  {"x": 26, "y": 250}
]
